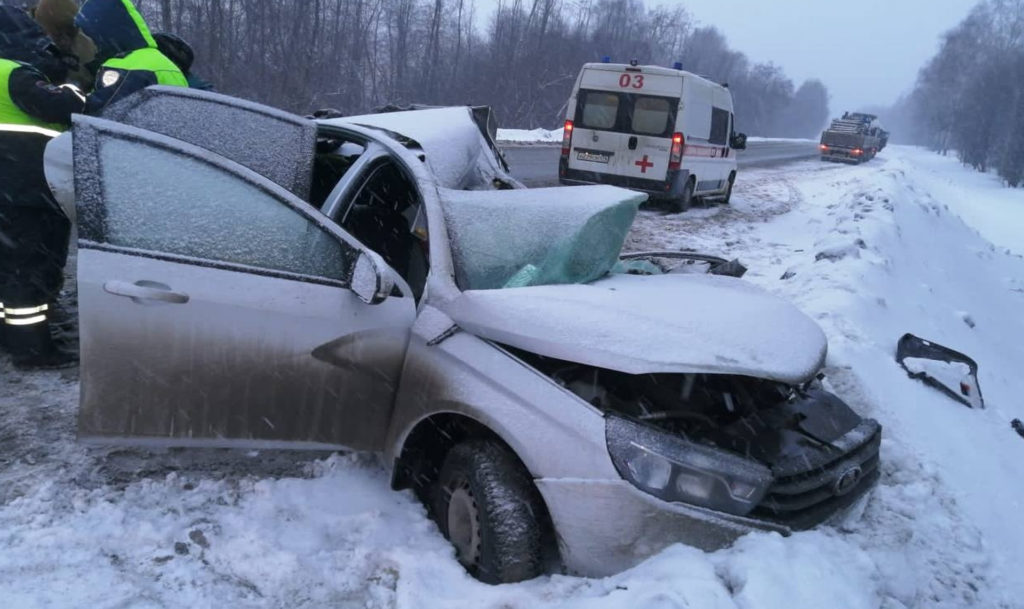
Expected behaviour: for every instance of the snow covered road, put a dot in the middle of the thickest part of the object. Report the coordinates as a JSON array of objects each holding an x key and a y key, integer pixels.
[{"x": 910, "y": 242}]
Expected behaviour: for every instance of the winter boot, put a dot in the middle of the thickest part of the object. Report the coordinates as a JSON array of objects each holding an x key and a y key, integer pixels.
[
  {"x": 27, "y": 331},
  {"x": 51, "y": 359}
]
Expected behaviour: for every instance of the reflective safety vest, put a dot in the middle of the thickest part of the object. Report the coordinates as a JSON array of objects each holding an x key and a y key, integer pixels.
[
  {"x": 149, "y": 60},
  {"x": 11, "y": 116}
]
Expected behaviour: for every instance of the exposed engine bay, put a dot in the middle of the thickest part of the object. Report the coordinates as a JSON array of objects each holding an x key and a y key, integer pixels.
[{"x": 770, "y": 422}]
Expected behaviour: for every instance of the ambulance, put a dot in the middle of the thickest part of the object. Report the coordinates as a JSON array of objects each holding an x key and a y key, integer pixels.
[{"x": 658, "y": 130}]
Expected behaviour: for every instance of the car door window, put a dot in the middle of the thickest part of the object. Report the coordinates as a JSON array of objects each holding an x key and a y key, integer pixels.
[
  {"x": 335, "y": 156},
  {"x": 386, "y": 215},
  {"x": 275, "y": 144},
  {"x": 216, "y": 216}
]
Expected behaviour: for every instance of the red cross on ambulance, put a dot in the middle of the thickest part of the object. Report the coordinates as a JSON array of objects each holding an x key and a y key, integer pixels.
[{"x": 643, "y": 164}]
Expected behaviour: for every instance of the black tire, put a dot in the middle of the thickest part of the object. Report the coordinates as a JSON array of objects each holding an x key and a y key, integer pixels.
[
  {"x": 497, "y": 517},
  {"x": 728, "y": 191},
  {"x": 684, "y": 200}
]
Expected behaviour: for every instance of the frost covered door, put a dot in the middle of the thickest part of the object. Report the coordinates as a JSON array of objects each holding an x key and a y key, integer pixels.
[
  {"x": 215, "y": 307},
  {"x": 275, "y": 144}
]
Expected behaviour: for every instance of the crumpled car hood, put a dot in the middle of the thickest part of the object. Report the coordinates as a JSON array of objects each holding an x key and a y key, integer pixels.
[
  {"x": 456, "y": 151},
  {"x": 647, "y": 324}
]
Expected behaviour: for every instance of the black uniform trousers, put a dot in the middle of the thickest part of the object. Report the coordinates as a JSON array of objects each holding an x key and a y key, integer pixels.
[{"x": 34, "y": 235}]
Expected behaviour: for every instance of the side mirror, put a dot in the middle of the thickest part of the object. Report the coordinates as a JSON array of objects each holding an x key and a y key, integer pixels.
[
  {"x": 738, "y": 141},
  {"x": 370, "y": 280}
]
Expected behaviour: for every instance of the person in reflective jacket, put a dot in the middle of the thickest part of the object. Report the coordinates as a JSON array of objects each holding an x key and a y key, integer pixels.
[
  {"x": 34, "y": 231},
  {"x": 130, "y": 58}
]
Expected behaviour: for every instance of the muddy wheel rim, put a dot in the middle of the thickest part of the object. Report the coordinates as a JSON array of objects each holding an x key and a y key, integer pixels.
[{"x": 464, "y": 524}]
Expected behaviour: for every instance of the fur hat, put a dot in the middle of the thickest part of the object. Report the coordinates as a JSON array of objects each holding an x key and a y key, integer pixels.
[{"x": 57, "y": 17}]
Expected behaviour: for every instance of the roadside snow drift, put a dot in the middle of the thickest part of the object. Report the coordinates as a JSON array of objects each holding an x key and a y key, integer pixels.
[
  {"x": 529, "y": 136},
  {"x": 909, "y": 247}
]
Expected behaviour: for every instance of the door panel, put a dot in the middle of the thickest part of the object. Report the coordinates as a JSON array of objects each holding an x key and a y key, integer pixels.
[
  {"x": 214, "y": 306},
  {"x": 237, "y": 359},
  {"x": 275, "y": 144}
]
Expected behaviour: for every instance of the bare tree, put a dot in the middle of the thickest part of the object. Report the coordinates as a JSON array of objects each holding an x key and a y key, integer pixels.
[{"x": 354, "y": 55}]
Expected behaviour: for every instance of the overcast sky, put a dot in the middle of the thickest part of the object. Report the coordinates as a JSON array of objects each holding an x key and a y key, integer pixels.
[{"x": 865, "y": 51}]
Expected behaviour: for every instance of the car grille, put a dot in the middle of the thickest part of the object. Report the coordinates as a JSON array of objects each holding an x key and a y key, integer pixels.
[{"x": 802, "y": 497}]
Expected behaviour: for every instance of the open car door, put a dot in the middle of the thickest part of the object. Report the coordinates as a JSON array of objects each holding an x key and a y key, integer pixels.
[
  {"x": 217, "y": 309},
  {"x": 273, "y": 143}
]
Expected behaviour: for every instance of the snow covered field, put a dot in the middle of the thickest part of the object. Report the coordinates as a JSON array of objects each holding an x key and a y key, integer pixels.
[{"x": 909, "y": 242}]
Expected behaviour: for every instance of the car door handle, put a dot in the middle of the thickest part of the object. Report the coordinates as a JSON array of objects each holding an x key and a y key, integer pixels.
[
  {"x": 144, "y": 290},
  {"x": 632, "y": 142}
]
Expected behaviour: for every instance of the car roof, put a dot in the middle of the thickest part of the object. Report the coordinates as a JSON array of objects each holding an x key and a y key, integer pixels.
[{"x": 454, "y": 146}]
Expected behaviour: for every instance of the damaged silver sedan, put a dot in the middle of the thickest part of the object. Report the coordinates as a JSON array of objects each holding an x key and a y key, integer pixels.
[{"x": 381, "y": 283}]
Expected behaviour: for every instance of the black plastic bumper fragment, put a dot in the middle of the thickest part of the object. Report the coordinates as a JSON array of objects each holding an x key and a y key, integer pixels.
[{"x": 911, "y": 346}]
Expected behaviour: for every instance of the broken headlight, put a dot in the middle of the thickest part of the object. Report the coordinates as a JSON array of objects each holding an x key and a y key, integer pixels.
[{"x": 674, "y": 469}]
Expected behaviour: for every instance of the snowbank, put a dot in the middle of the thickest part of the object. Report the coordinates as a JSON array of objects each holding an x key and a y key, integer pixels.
[
  {"x": 800, "y": 140},
  {"x": 529, "y": 136},
  {"x": 980, "y": 199}
]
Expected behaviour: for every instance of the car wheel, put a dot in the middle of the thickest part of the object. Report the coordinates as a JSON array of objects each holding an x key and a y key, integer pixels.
[
  {"x": 486, "y": 504},
  {"x": 684, "y": 200},
  {"x": 728, "y": 191}
]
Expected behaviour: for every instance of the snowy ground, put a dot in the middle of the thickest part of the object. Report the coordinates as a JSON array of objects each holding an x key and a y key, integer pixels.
[
  {"x": 529, "y": 136},
  {"x": 913, "y": 242}
]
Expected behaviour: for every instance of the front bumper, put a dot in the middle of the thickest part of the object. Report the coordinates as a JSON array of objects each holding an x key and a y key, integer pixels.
[
  {"x": 841, "y": 154},
  {"x": 607, "y": 526}
]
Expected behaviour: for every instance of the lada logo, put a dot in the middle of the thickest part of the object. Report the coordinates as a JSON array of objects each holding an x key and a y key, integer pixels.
[{"x": 847, "y": 481}]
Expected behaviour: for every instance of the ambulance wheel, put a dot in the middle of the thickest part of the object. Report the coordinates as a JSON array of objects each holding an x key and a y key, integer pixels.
[
  {"x": 685, "y": 200},
  {"x": 728, "y": 191}
]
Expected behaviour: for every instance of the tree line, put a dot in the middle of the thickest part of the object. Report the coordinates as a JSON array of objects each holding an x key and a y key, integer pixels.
[
  {"x": 970, "y": 96},
  {"x": 355, "y": 55}
]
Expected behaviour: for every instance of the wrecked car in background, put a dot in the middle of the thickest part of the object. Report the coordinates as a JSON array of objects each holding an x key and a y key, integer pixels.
[{"x": 250, "y": 278}]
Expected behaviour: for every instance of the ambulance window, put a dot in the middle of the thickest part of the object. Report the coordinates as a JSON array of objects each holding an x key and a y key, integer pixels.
[
  {"x": 651, "y": 115},
  {"x": 719, "y": 127},
  {"x": 600, "y": 110}
]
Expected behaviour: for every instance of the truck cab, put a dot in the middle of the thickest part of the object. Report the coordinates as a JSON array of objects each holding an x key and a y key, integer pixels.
[{"x": 855, "y": 137}]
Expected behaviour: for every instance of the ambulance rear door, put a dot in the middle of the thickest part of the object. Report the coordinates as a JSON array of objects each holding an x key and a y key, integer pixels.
[{"x": 624, "y": 120}]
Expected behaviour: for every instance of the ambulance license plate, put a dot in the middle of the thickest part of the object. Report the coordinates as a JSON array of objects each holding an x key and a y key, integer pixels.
[{"x": 593, "y": 156}]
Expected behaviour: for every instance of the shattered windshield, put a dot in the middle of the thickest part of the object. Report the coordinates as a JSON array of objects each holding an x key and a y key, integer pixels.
[{"x": 518, "y": 238}]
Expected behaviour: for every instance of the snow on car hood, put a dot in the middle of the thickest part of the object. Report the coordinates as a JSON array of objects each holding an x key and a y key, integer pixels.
[
  {"x": 646, "y": 324},
  {"x": 456, "y": 150}
]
